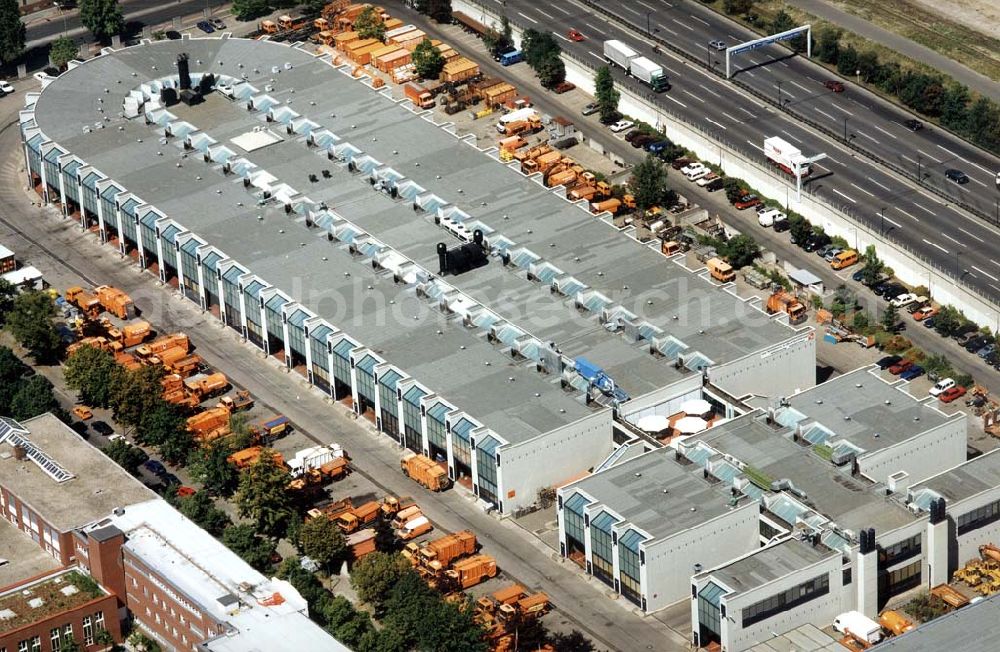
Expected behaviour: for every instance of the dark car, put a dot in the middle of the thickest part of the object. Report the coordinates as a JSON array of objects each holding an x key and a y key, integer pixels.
[
  {"x": 816, "y": 241},
  {"x": 632, "y": 135},
  {"x": 643, "y": 140},
  {"x": 912, "y": 373},
  {"x": 913, "y": 125},
  {"x": 205, "y": 26},
  {"x": 858, "y": 276},
  {"x": 834, "y": 85},
  {"x": 102, "y": 428},
  {"x": 172, "y": 35},
  {"x": 781, "y": 225},
  {"x": 965, "y": 332},
  {"x": 81, "y": 429},
  {"x": 155, "y": 467},
  {"x": 678, "y": 163},
  {"x": 929, "y": 322},
  {"x": 716, "y": 184},
  {"x": 563, "y": 87},
  {"x": 957, "y": 176},
  {"x": 170, "y": 479},
  {"x": 892, "y": 291},
  {"x": 888, "y": 361},
  {"x": 656, "y": 146},
  {"x": 976, "y": 343}
]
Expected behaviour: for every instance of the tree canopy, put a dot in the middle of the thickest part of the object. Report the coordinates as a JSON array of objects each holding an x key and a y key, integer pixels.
[
  {"x": 871, "y": 272},
  {"x": 323, "y": 542},
  {"x": 245, "y": 542},
  {"x": 62, "y": 51},
  {"x": 126, "y": 455},
  {"x": 369, "y": 24},
  {"x": 649, "y": 184},
  {"x": 427, "y": 61},
  {"x": 741, "y": 250},
  {"x": 103, "y": 18},
  {"x": 606, "y": 95},
  {"x": 11, "y": 31},
  {"x": 201, "y": 509},
  {"x": 263, "y": 495},
  {"x": 375, "y": 575},
  {"x": 92, "y": 373},
  {"x": 209, "y": 464},
  {"x": 30, "y": 321},
  {"x": 33, "y": 397}
]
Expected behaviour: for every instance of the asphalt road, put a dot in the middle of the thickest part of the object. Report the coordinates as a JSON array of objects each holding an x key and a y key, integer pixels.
[
  {"x": 959, "y": 245},
  {"x": 57, "y": 248}
]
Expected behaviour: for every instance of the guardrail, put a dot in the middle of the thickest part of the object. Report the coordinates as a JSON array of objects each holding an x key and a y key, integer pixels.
[{"x": 848, "y": 142}]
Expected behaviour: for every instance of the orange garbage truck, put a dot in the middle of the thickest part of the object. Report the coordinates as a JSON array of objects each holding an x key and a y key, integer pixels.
[{"x": 425, "y": 471}]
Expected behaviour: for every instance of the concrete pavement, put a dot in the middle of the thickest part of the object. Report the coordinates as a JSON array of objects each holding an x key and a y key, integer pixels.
[
  {"x": 974, "y": 80},
  {"x": 610, "y": 623}
]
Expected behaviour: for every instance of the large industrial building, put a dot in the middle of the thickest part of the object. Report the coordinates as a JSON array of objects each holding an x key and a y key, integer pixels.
[
  {"x": 466, "y": 310},
  {"x": 73, "y": 512},
  {"x": 839, "y": 497}
]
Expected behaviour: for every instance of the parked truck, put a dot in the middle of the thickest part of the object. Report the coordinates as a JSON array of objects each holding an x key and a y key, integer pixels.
[
  {"x": 241, "y": 401},
  {"x": 314, "y": 458},
  {"x": 720, "y": 270},
  {"x": 470, "y": 571},
  {"x": 404, "y": 515},
  {"x": 786, "y": 302},
  {"x": 785, "y": 155},
  {"x": 206, "y": 385},
  {"x": 115, "y": 301},
  {"x": 858, "y": 625},
  {"x": 418, "y": 95},
  {"x": 425, "y": 471},
  {"x": 619, "y": 54},
  {"x": 246, "y": 457},
  {"x": 511, "y": 57},
  {"x": 361, "y": 543},
  {"x": 894, "y": 622},
  {"x": 162, "y": 344},
  {"x": 441, "y": 552},
  {"x": 649, "y": 73},
  {"x": 270, "y": 429},
  {"x": 353, "y": 519},
  {"x": 414, "y": 528}
]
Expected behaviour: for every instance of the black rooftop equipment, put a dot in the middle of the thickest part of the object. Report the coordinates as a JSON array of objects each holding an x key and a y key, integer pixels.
[
  {"x": 184, "y": 71},
  {"x": 462, "y": 258}
]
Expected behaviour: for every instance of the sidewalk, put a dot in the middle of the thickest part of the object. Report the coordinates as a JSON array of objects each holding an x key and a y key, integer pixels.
[{"x": 974, "y": 80}]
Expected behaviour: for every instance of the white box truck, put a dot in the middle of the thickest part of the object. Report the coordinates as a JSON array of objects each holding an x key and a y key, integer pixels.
[
  {"x": 619, "y": 54},
  {"x": 859, "y": 626},
  {"x": 649, "y": 73},
  {"x": 785, "y": 155}
]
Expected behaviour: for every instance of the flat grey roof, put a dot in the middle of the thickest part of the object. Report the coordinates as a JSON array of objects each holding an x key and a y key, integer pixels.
[
  {"x": 850, "y": 502},
  {"x": 969, "y": 629},
  {"x": 966, "y": 480},
  {"x": 657, "y": 494},
  {"x": 24, "y": 557},
  {"x": 770, "y": 564},
  {"x": 804, "y": 638},
  {"x": 99, "y": 485},
  {"x": 859, "y": 405},
  {"x": 680, "y": 303}
]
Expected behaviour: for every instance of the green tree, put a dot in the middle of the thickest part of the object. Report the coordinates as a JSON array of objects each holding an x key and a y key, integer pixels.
[
  {"x": 439, "y": 10},
  {"x": 91, "y": 373},
  {"x": 250, "y": 9},
  {"x": 737, "y": 7},
  {"x": 427, "y": 61},
  {"x": 104, "y": 638},
  {"x": 135, "y": 394},
  {"x": 955, "y": 107},
  {"x": 783, "y": 22},
  {"x": 263, "y": 495},
  {"x": 551, "y": 71},
  {"x": 209, "y": 465},
  {"x": 948, "y": 320},
  {"x": 245, "y": 542},
  {"x": 450, "y": 628},
  {"x": 103, "y": 18},
  {"x": 741, "y": 250},
  {"x": 847, "y": 61},
  {"x": 374, "y": 576},
  {"x": 69, "y": 644},
  {"x": 890, "y": 317},
  {"x": 828, "y": 45},
  {"x": 126, "y": 455},
  {"x": 538, "y": 47},
  {"x": 11, "y": 31},
  {"x": 871, "y": 272},
  {"x": 606, "y": 95},
  {"x": 11, "y": 370},
  {"x": 32, "y": 398},
  {"x": 499, "y": 41},
  {"x": 164, "y": 427},
  {"x": 30, "y": 321},
  {"x": 649, "y": 183},
  {"x": 868, "y": 65},
  {"x": 201, "y": 509},
  {"x": 937, "y": 365},
  {"x": 346, "y": 623},
  {"x": 860, "y": 322},
  {"x": 314, "y": 6},
  {"x": 62, "y": 51},
  {"x": 575, "y": 641},
  {"x": 799, "y": 228},
  {"x": 385, "y": 538},
  {"x": 369, "y": 24},
  {"x": 734, "y": 189},
  {"x": 323, "y": 542},
  {"x": 984, "y": 124}
]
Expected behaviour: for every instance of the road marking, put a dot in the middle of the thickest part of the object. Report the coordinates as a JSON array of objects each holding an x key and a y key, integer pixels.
[
  {"x": 907, "y": 214},
  {"x": 717, "y": 124},
  {"x": 665, "y": 28},
  {"x": 557, "y": 8},
  {"x": 594, "y": 28},
  {"x": 597, "y": 56},
  {"x": 926, "y": 210},
  {"x": 953, "y": 239},
  {"x": 747, "y": 111},
  {"x": 986, "y": 274},
  {"x": 750, "y": 142},
  {"x": 675, "y": 101},
  {"x": 885, "y": 132},
  {"x": 890, "y": 221},
  {"x": 879, "y": 184},
  {"x": 850, "y": 199},
  {"x": 672, "y": 71},
  {"x": 936, "y": 160},
  {"x": 826, "y": 114},
  {"x": 840, "y": 108},
  {"x": 975, "y": 180},
  {"x": 907, "y": 158},
  {"x": 749, "y": 73},
  {"x": 801, "y": 86},
  {"x": 687, "y": 92},
  {"x": 562, "y": 37},
  {"x": 994, "y": 287},
  {"x": 709, "y": 90},
  {"x": 788, "y": 94},
  {"x": 527, "y": 17},
  {"x": 730, "y": 117},
  {"x": 790, "y": 136},
  {"x": 646, "y": 6},
  {"x": 627, "y": 8},
  {"x": 549, "y": 16},
  {"x": 784, "y": 64},
  {"x": 861, "y": 133},
  {"x": 969, "y": 234},
  {"x": 863, "y": 190},
  {"x": 926, "y": 241},
  {"x": 684, "y": 25},
  {"x": 700, "y": 20}
]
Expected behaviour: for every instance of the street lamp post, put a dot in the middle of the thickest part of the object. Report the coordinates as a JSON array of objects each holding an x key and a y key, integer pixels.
[
  {"x": 778, "y": 82},
  {"x": 648, "y": 31},
  {"x": 881, "y": 226},
  {"x": 63, "y": 12},
  {"x": 845, "y": 128},
  {"x": 919, "y": 162}
]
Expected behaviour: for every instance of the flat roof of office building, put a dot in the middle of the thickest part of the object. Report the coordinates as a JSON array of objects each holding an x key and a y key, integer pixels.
[
  {"x": 969, "y": 629},
  {"x": 93, "y": 486},
  {"x": 862, "y": 408},
  {"x": 804, "y": 638},
  {"x": 850, "y": 502},
  {"x": 670, "y": 298},
  {"x": 22, "y": 557},
  {"x": 657, "y": 494},
  {"x": 965, "y": 480},
  {"x": 770, "y": 564}
]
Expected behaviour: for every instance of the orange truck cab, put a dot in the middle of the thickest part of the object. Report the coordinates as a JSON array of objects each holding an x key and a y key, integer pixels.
[
  {"x": 720, "y": 270},
  {"x": 845, "y": 258}
]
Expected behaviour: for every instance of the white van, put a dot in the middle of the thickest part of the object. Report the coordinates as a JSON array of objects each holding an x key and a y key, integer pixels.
[
  {"x": 942, "y": 386},
  {"x": 858, "y": 625}
]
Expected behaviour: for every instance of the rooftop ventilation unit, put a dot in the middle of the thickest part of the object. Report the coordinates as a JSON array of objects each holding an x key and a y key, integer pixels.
[{"x": 463, "y": 258}]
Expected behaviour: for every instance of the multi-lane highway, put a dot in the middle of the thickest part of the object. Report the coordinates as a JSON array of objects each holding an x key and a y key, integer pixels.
[{"x": 958, "y": 245}]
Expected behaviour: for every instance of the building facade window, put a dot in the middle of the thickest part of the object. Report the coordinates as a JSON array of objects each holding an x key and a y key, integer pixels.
[
  {"x": 55, "y": 638},
  {"x": 629, "y": 564},
  {"x": 36, "y": 644},
  {"x": 88, "y": 630},
  {"x": 436, "y": 435},
  {"x": 977, "y": 518},
  {"x": 709, "y": 611},
  {"x": 899, "y": 580},
  {"x": 898, "y": 552},
  {"x": 573, "y": 525},
  {"x": 22, "y": 646},
  {"x": 99, "y": 620},
  {"x": 486, "y": 466},
  {"x": 793, "y": 597},
  {"x": 602, "y": 547}
]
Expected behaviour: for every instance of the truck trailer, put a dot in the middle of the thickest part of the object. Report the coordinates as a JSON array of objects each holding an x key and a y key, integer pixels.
[
  {"x": 649, "y": 73},
  {"x": 619, "y": 54},
  {"x": 786, "y": 156}
]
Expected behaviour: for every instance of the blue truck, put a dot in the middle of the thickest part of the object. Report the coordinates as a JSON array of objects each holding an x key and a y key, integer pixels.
[{"x": 512, "y": 57}]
